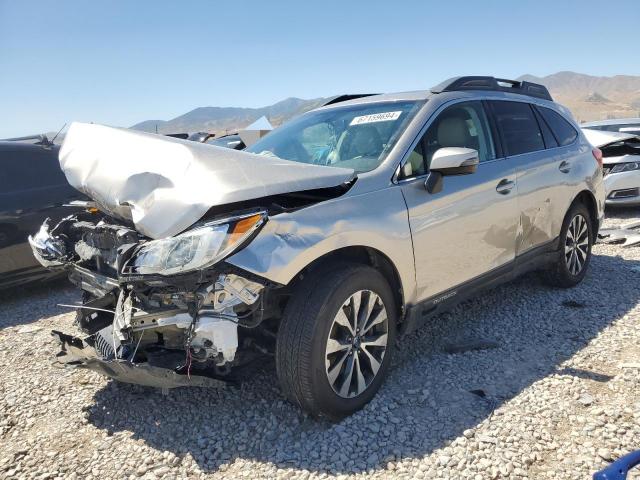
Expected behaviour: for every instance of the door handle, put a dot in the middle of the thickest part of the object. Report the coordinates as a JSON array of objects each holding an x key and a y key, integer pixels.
[
  {"x": 564, "y": 167},
  {"x": 505, "y": 186}
]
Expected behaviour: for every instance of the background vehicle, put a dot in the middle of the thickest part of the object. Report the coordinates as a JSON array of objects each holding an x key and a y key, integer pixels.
[
  {"x": 324, "y": 240},
  {"x": 238, "y": 140},
  {"x": 624, "y": 125},
  {"x": 32, "y": 188},
  {"x": 621, "y": 169},
  {"x": 232, "y": 140}
]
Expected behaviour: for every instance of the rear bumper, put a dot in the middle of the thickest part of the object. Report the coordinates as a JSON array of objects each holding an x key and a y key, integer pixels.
[{"x": 77, "y": 353}]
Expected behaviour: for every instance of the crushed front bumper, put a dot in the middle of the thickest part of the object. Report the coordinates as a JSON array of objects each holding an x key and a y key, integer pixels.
[{"x": 77, "y": 353}]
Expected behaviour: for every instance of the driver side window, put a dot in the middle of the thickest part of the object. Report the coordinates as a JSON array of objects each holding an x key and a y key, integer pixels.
[{"x": 461, "y": 125}]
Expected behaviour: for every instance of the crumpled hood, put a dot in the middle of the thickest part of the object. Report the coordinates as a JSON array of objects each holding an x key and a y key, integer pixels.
[
  {"x": 164, "y": 184},
  {"x": 601, "y": 138}
]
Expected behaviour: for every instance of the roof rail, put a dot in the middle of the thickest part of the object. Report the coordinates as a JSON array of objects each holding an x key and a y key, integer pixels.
[
  {"x": 495, "y": 85},
  {"x": 345, "y": 97}
]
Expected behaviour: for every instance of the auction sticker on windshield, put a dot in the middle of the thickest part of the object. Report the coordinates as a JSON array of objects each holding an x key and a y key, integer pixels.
[{"x": 375, "y": 117}]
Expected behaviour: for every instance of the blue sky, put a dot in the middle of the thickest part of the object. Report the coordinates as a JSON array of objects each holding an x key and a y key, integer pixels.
[{"x": 121, "y": 62}]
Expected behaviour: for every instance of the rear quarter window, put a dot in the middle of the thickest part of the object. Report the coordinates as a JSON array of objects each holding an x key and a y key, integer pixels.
[
  {"x": 563, "y": 131},
  {"x": 518, "y": 127}
]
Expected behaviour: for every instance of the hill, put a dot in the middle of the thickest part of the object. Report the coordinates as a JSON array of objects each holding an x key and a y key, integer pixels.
[
  {"x": 588, "y": 97},
  {"x": 227, "y": 119},
  {"x": 593, "y": 98}
]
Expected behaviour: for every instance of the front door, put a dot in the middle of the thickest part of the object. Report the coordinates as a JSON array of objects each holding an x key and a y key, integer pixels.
[{"x": 469, "y": 228}]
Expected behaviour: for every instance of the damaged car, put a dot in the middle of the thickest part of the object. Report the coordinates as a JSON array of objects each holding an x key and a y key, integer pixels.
[
  {"x": 322, "y": 244},
  {"x": 621, "y": 165}
]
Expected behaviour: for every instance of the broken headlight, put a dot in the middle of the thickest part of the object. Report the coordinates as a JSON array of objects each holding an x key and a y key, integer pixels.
[{"x": 195, "y": 249}]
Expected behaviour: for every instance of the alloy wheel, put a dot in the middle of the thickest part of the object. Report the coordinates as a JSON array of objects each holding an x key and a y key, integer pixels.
[
  {"x": 356, "y": 344},
  {"x": 576, "y": 248}
]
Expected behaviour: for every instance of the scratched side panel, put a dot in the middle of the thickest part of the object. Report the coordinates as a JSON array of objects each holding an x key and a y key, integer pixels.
[{"x": 291, "y": 241}]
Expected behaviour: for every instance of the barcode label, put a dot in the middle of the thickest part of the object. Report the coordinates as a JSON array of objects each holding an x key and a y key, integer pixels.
[{"x": 376, "y": 117}]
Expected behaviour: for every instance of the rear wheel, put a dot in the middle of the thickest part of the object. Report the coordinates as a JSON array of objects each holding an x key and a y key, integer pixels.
[
  {"x": 576, "y": 240},
  {"x": 335, "y": 340}
]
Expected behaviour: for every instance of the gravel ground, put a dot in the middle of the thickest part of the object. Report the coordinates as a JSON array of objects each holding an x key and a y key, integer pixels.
[{"x": 557, "y": 397}]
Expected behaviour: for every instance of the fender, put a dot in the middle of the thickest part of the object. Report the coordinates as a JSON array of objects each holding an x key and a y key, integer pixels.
[{"x": 291, "y": 241}]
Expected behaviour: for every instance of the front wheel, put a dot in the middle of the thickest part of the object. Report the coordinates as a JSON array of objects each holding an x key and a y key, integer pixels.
[
  {"x": 576, "y": 240},
  {"x": 336, "y": 339}
]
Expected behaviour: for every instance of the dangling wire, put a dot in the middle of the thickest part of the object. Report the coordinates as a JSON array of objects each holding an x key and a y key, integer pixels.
[
  {"x": 187, "y": 345},
  {"x": 137, "y": 345}
]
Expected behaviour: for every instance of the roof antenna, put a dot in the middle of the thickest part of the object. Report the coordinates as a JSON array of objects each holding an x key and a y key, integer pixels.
[{"x": 56, "y": 135}]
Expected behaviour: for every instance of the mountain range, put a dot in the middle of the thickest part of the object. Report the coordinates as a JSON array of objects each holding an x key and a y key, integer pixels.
[
  {"x": 222, "y": 120},
  {"x": 593, "y": 98},
  {"x": 588, "y": 97}
]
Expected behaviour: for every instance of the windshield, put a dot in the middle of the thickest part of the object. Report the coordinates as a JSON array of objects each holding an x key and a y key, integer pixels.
[{"x": 357, "y": 137}]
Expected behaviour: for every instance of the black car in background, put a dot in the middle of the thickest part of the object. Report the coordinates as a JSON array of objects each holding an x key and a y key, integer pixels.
[
  {"x": 32, "y": 188},
  {"x": 232, "y": 140}
]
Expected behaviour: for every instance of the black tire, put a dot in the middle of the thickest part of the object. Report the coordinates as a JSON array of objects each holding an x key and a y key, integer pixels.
[
  {"x": 559, "y": 273},
  {"x": 303, "y": 336}
]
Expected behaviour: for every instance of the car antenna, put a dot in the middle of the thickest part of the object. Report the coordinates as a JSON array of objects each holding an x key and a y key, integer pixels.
[{"x": 56, "y": 135}]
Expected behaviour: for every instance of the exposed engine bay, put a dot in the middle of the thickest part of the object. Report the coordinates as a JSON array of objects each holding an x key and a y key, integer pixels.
[
  {"x": 187, "y": 328},
  {"x": 161, "y": 305}
]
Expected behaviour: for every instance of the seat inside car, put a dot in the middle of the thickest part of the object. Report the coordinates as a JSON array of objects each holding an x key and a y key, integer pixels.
[
  {"x": 360, "y": 141},
  {"x": 453, "y": 131}
]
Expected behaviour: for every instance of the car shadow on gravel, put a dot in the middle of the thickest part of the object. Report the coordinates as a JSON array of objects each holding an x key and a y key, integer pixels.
[
  {"x": 28, "y": 303},
  {"x": 616, "y": 216},
  {"x": 430, "y": 398}
]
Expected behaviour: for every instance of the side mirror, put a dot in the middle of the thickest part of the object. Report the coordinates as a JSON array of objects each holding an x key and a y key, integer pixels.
[{"x": 454, "y": 161}]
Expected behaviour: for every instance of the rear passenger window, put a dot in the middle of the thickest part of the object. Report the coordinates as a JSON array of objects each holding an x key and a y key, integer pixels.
[
  {"x": 563, "y": 131},
  {"x": 549, "y": 138},
  {"x": 518, "y": 126}
]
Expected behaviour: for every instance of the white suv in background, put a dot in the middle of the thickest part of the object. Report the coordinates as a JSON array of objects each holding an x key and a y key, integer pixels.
[{"x": 621, "y": 165}]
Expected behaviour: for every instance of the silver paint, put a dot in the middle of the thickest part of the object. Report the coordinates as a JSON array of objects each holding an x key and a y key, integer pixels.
[
  {"x": 478, "y": 222},
  {"x": 435, "y": 241},
  {"x": 165, "y": 184}
]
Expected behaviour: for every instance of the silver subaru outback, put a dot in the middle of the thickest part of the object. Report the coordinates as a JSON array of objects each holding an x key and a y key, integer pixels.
[{"x": 322, "y": 244}]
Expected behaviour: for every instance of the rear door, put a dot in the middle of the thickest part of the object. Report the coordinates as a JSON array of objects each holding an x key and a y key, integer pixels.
[
  {"x": 568, "y": 158},
  {"x": 468, "y": 229},
  {"x": 538, "y": 169}
]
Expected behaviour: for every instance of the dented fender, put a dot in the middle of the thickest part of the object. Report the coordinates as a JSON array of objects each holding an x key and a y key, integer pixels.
[{"x": 291, "y": 241}]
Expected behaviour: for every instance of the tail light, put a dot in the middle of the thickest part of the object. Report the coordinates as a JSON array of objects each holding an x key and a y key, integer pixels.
[{"x": 597, "y": 154}]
